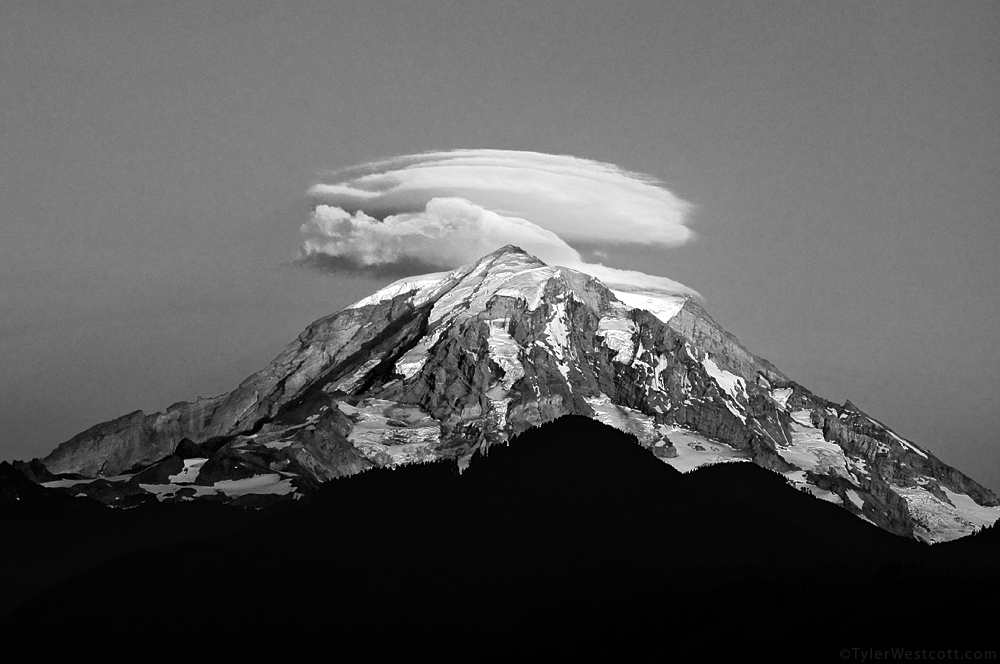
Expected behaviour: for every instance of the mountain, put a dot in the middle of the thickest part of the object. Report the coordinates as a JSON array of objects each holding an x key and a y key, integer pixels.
[{"x": 445, "y": 366}]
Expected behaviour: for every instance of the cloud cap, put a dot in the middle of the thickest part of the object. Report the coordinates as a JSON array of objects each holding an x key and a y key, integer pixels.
[{"x": 444, "y": 209}]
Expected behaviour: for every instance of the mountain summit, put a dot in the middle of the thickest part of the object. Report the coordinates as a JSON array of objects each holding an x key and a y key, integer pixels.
[{"x": 443, "y": 365}]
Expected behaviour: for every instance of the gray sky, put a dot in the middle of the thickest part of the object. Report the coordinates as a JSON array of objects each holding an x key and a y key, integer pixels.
[{"x": 843, "y": 158}]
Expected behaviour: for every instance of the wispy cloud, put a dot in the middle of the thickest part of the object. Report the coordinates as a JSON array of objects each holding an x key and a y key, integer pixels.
[{"x": 448, "y": 208}]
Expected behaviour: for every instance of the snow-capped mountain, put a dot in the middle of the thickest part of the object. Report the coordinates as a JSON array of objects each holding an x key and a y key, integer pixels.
[{"x": 447, "y": 364}]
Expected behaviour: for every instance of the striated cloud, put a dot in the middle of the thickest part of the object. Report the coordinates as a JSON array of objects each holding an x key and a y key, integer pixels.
[{"x": 444, "y": 209}]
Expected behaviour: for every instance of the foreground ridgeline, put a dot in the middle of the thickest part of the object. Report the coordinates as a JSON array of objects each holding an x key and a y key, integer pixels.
[
  {"x": 444, "y": 366},
  {"x": 572, "y": 543}
]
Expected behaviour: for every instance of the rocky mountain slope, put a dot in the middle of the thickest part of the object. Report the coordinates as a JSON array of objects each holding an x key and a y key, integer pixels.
[{"x": 445, "y": 365}]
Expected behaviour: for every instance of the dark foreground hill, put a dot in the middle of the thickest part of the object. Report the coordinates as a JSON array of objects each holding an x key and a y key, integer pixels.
[{"x": 571, "y": 542}]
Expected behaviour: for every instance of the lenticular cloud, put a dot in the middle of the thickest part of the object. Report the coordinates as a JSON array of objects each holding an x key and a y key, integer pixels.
[{"x": 444, "y": 209}]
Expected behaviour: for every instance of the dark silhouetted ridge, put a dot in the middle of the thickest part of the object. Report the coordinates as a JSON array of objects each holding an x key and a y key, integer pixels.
[{"x": 571, "y": 542}]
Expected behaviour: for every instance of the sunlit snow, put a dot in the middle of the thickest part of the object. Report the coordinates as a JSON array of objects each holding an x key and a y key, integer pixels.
[
  {"x": 662, "y": 305},
  {"x": 780, "y": 397},
  {"x": 940, "y": 522},
  {"x": 731, "y": 384},
  {"x": 351, "y": 383},
  {"x": 800, "y": 481},
  {"x": 695, "y": 450},
  {"x": 556, "y": 331},
  {"x": 528, "y": 285},
  {"x": 414, "y": 359},
  {"x": 625, "y": 419},
  {"x": 505, "y": 352},
  {"x": 190, "y": 472},
  {"x": 618, "y": 334},
  {"x": 418, "y": 285},
  {"x": 810, "y": 451},
  {"x": 402, "y": 433}
]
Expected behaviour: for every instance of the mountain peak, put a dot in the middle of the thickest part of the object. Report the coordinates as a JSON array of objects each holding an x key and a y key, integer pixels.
[
  {"x": 443, "y": 365},
  {"x": 506, "y": 249}
]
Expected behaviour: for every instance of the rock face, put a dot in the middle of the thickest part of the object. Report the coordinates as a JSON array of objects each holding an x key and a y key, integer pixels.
[{"x": 444, "y": 365}]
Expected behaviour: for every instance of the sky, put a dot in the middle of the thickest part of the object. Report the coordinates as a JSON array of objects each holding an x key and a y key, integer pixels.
[{"x": 838, "y": 164}]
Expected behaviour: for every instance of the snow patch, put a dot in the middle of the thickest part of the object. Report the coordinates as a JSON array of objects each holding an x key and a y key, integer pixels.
[
  {"x": 470, "y": 295},
  {"x": 940, "y": 522},
  {"x": 801, "y": 481},
  {"x": 269, "y": 483},
  {"x": 190, "y": 472},
  {"x": 858, "y": 466},
  {"x": 382, "y": 428},
  {"x": 63, "y": 484},
  {"x": 517, "y": 276},
  {"x": 662, "y": 305},
  {"x": 695, "y": 450},
  {"x": 557, "y": 339},
  {"x": 730, "y": 383},
  {"x": 855, "y": 498},
  {"x": 780, "y": 397},
  {"x": 528, "y": 285},
  {"x": 414, "y": 359},
  {"x": 497, "y": 415},
  {"x": 658, "y": 380},
  {"x": 556, "y": 332},
  {"x": 624, "y": 419},
  {"x": 972, "y": 511},
  {"x": 278, "y": 444},
  {"x": 506, "y": 353},
  {"x": 810, "y": 451},
  {"x": 618, "y": 335},
  {"x": 419, "y": 285},
  {"x": 164, "y": 491},
  {"x": 350, "y": 383}
]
